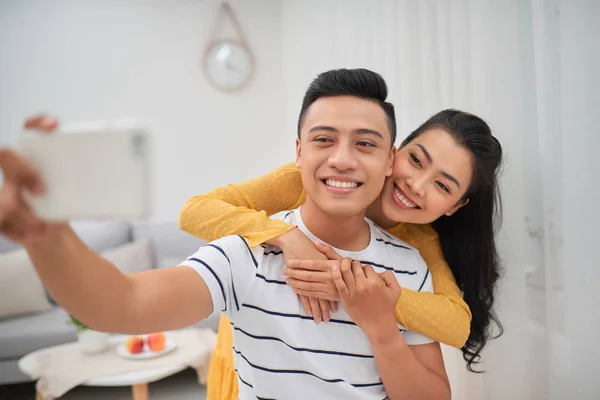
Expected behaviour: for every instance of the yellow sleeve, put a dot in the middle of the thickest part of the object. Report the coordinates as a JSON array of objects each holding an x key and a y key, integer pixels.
[
  {"x": 443, "y": 315},
  {"x": 232, "y": 209}
]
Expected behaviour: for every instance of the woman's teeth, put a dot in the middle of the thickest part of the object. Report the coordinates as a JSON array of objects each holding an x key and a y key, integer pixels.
[
  {"x": 343, "y": 185},
  {"x": 403, "y": 199}
]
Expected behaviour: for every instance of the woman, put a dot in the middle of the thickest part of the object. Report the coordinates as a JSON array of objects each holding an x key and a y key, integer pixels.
[{"x": 422, "y": 203}]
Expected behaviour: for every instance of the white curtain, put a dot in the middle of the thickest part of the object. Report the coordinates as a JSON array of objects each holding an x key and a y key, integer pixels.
[{"x": 531, "y": 69}]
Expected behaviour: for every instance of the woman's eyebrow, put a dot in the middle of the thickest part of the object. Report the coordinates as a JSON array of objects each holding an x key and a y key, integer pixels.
[
  {"x": 451, "y": 178},
  {"x": 427, "y": 155}
]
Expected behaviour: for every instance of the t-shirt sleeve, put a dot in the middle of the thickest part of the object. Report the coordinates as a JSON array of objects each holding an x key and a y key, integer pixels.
[
  {"x": 424, "y": 284},
  {"x": 228, "y": 267}
]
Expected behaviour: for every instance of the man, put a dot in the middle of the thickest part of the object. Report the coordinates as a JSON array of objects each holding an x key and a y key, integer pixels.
[{"x": 344, "y": 151}]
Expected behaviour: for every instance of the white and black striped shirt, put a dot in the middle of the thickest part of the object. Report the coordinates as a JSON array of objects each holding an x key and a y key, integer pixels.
[{"x": 279, "y": 352}]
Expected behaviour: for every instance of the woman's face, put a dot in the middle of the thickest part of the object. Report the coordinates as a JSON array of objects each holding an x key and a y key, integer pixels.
[{"x": 430, "y": 176}]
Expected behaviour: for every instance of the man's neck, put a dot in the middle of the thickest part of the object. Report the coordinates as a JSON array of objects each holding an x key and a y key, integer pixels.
[
  {"x": 375, "y": 214},
  {"x": 345, "y": 233}
]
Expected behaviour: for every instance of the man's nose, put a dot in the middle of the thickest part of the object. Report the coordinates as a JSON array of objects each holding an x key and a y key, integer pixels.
[{"x": 343, "y": 158}]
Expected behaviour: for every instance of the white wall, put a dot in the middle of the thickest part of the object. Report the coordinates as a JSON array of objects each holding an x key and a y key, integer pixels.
[{"x": 109, "y": 59}]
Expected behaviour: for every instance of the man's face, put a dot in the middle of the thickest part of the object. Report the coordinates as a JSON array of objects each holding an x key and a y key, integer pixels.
[{"x": 344, "y": 154}]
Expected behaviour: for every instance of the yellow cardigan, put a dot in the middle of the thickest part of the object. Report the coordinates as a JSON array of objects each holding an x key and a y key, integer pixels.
[{"x": 443, "y": 316}]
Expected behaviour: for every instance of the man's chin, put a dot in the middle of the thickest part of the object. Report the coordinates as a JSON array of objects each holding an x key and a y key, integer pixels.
[{"x": 341, "y": 209}]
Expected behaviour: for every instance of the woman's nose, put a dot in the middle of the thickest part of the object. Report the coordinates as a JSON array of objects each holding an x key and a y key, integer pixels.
[{"x": 416, "y": 185}]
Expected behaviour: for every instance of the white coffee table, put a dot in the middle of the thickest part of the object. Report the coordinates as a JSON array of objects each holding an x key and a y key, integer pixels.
[{"x": 138, "y": 380}]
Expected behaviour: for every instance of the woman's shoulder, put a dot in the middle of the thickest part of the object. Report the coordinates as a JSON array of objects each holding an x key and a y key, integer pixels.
[{"x": 414, "y": 234}]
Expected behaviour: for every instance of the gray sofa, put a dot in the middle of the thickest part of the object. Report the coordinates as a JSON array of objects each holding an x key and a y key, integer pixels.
[{"x": 23, "y": 334}]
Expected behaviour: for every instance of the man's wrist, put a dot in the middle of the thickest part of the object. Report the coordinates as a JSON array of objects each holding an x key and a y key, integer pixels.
[
  {"x": 53, "y": 234},
  {"x": 384, "y": 334}
]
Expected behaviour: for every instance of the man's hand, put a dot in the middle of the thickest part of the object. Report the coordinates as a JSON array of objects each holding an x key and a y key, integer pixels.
[
  {"x": 41, "y": 123},
  {"x": 17, "y": 221},
  {"x": 369, "y": 298}
]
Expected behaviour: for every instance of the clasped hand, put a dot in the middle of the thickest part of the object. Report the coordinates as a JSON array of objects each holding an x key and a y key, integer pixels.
[{"x": 368, "y": 297}]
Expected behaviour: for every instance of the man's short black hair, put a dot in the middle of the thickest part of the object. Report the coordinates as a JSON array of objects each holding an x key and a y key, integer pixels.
[{"x": 360, "y": 82}]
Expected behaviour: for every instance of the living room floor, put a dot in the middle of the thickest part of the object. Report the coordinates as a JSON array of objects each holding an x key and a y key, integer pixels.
[{"x": 182, "y": 386}]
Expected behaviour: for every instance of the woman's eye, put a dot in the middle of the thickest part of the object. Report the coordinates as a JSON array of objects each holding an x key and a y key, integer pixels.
[
  {"x": 443, "y": 187},
  {"x": 415, "y": 159}
]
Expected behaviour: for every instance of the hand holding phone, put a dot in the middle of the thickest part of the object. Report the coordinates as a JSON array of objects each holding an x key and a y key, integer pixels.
[{"x": 91, "y": 171}]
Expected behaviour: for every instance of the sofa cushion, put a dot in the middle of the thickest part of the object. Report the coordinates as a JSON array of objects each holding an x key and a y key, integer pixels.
[
  {"x": 171, "y": 245},
  {"x": 22, "y": 335},
  {"x": 101, "y": 235},
  {"x": 132, "y": 257},
  {"x": 98, "y": 235},
  {"x": 8, "y": 245},
  {"x": 21, "y": 291}
]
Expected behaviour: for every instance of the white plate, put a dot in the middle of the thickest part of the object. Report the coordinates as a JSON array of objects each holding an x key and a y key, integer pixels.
[{"x": 146, "y": 354}]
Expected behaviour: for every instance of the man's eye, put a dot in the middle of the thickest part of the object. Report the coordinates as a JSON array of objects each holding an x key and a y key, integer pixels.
[
  {"x": 415, "y": 159},
  {"x": 366, "y": 144},
  {"x": 322, "y": 139}
]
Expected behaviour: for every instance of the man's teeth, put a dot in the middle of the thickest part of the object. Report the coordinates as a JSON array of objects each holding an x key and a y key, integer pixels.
[
  {"x": 343, "y": 185},
  {"x": 403, "y": 199}
]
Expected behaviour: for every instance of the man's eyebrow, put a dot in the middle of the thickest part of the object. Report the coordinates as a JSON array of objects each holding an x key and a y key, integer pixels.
[
  {"x": 360, "y": 131},
  {"x": 322, "y": 128},
  {"x": 369, "y": 132},
  {"x": 445, "y": 174}
]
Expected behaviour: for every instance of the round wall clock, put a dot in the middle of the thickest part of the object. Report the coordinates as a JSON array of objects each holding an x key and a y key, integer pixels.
[{"x": 228, "y": 65}]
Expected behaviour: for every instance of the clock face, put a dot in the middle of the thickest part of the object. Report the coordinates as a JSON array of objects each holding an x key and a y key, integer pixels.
[{"x": 228, "y": 65}]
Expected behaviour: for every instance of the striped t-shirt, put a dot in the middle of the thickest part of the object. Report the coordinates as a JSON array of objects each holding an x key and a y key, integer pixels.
[{"x": 279, "y": 352}]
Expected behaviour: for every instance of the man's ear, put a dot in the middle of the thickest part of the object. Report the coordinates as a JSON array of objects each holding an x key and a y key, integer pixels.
[
  {"x": 390, "y": 166},
  {"x": 298, "y": 152},
  {"x": 457, "y": 207}
]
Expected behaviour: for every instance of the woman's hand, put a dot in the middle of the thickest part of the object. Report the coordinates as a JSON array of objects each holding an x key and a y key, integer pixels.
[
  {"x": 297, "y": 246},
  {"x": 369, "y": 298},
  {"x": 313, "y": 278}
]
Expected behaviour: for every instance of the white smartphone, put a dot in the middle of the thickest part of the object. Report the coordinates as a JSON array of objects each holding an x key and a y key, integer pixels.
[{"x": 93, "y": 171}]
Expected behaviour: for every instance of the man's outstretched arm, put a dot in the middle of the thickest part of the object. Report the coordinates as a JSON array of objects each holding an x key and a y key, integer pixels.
[
  {"x": 93, "y": 290},
  {"x": 85, "y": 284}
]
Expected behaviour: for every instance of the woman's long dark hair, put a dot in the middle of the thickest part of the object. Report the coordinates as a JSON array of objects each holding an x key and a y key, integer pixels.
[{"x": 468, "y": 236}]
